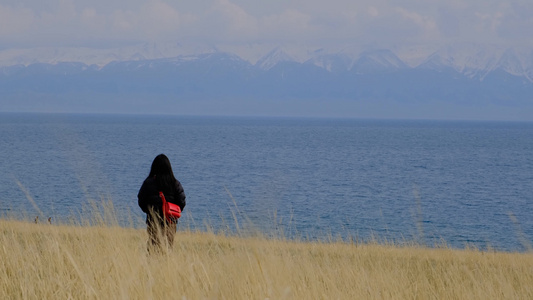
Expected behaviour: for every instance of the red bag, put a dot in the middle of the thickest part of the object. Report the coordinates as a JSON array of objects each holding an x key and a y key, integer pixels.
[{"x": 171, "y": 211}]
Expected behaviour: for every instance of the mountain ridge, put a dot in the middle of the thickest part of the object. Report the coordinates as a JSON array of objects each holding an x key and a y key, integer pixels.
[
  {"x": 475, "y": 61},
  {"x": 218, "y": 81}
]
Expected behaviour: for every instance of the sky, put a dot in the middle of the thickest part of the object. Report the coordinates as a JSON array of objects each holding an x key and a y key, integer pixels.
[{"x": 384, "y": 23}]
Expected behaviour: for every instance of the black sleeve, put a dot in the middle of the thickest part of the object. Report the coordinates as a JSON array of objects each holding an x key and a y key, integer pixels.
[
  {"x": 179, "y": 196},
  {"x": 148, "y": 197}
]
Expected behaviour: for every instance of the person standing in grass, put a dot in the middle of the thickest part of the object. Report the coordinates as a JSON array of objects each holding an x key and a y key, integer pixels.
[{"x": 161, "y": 178}]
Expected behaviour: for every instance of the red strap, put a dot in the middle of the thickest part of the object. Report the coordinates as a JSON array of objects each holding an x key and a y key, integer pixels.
[
  {"x": 164, "y": 207},
  {"x": 162, "y": 196}
]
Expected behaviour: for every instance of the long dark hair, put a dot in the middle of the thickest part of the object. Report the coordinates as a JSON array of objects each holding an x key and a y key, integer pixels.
[{"x": 161, "y": 171}]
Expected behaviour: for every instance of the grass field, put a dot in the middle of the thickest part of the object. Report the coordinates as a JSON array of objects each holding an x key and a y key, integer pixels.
[{"x": 48, "y": 261}]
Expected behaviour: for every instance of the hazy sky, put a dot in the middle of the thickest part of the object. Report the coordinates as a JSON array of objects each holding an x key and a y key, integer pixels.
[{"x": 109, "y": 23}]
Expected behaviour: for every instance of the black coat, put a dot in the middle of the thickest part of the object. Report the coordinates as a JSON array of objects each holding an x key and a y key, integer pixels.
[{"x": 149, "y": 197}]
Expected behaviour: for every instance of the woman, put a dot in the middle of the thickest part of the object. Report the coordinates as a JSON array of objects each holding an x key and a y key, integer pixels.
[{"x": 161, "y": 178}]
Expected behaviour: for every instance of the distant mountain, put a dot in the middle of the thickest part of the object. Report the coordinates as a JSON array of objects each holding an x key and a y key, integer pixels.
[
  {"x": 510, "y": 63},
  {"x": 378, "y": 61},
  {"x": 472, "y": 60},
  {"x": 273, "y": 58},
  {"x": 478, "y": 62},
  {"x": 475, "y": 77},
  {"x": 339, "y": 62},
  {"x": 100, "y": 57}
]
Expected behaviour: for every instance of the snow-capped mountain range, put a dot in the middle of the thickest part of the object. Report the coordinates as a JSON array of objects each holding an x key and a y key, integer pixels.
[
  {"x": 474, "y": 61},
  {"x": 174, "y": 77}
]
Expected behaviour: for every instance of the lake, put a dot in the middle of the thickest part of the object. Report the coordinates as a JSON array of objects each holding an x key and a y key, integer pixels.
[{"x": 462, "y": 183}]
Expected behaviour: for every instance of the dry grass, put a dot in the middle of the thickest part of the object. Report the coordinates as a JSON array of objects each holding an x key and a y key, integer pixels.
[{"x": 43, "y": 261}]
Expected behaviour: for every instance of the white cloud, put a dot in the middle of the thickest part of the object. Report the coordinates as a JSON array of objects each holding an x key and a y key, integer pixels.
[
  {"x": 154, "y": 20},
  {"x": 14, "y": 21},
  {"x": 372, "y": 11},
  {"x": 426, "y": 25},
  {"x": 226, "y": 20},
  {"x": 364, "y": 21},
  {"x": 288, "y": 24}
]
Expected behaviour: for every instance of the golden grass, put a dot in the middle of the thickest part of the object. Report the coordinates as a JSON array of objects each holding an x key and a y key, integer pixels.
[{"x": 43, "y": 261}]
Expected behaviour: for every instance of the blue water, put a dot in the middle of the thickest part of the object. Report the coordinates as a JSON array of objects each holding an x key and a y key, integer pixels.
[{"x": 462, "y": 183}]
